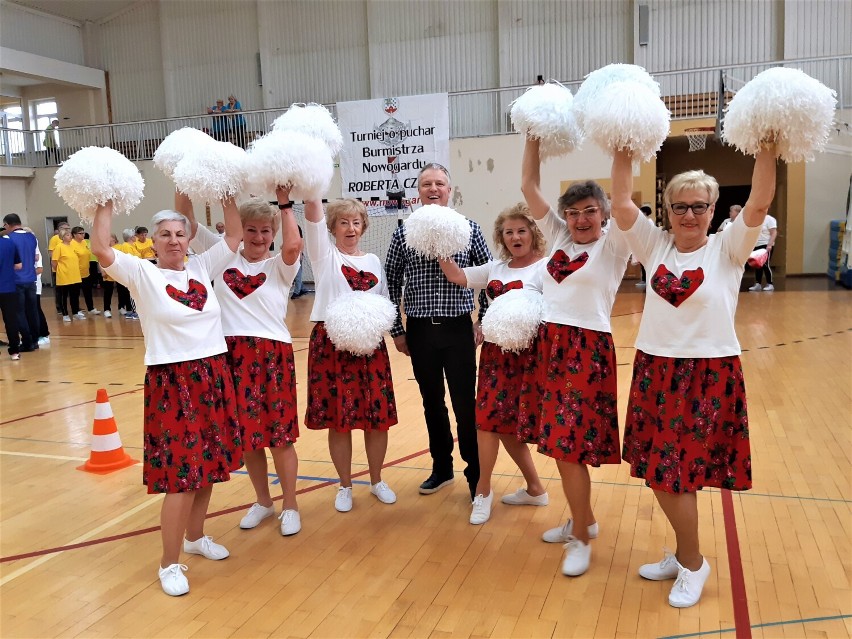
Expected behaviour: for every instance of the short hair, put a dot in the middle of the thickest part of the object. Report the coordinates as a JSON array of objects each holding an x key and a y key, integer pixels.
[
  {"x": 77, "y": 229},
  {"x": 434, "y": 166},
  {"x": 142, "y": 229},
  {"x": 257, "y": 209},
  {"x": 63, "y": 233},
  {"x": 128, "y": 234},
  {"x": 167, "y": 216},
  {"x": 113, "y": 236},
  {"x": 63, "y": 225},
  {"x": 692, "y": 180},
  {"x": 12, "y": 218},
  {"x": 736, "y": 207},
  {"x": 335, "y": 210},
  {"x": 580, "y": 191},
  {"x": 519, "y": 211}
]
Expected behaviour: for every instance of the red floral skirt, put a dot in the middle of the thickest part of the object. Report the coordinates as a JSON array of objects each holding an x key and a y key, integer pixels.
[
  {"x": 192, "y": 436},
  {"x": 265, "y": 381},
  {"x": 569, "y": 396},
  {"x": 348, "y": 392},
  {"x": 498, "y": 391},
  {"x": 687, "y": 424}
]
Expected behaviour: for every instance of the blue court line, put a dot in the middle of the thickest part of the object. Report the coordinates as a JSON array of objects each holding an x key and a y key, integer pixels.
[
  {"x": 759, "y": 625},
  {"x": 333, "y": 480}
]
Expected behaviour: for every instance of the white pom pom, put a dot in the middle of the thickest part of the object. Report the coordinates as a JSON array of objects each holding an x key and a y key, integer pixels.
[
  {"x": 545, "y": 112},
  {"x": 435, "y": 231},
  {"x": 313, "y": 120},
  {"x": 588, "y": 95},
  {"x": 213, "y": 172},
  {"x": 93, "y": 175},
  {"x": 356, "y": 322},
  {"x": 628, "y": 115},
  {"x": 292, "y": 158},
  {"x": 177, "y": 144},
  {"x": 785, "y": 105},
  {"x": 512, "y": 319}
]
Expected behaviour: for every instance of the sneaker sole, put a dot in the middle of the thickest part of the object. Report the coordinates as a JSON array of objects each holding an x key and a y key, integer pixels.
[
  {"x": 524, "y": 503},
  {"x": 429, "y": 491}
]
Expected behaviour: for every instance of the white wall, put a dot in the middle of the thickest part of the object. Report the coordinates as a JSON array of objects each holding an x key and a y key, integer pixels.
[{"x": 35, "y": 32}]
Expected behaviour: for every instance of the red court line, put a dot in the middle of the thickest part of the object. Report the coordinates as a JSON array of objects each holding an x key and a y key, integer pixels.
[
  {"x": 218, "y": 513},
  {"x": 56, "y": 410},
  {"x": 742, "y": 624}
]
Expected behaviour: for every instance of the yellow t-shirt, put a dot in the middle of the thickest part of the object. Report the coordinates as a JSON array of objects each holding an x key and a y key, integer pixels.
[
  {"x": 127, "y": 247},
  {"x": 67, "y": 265},
  {"x": 145, "y": 249},
  {"x": 54, "y": 242},
  {"x": 83, "y": 254}
]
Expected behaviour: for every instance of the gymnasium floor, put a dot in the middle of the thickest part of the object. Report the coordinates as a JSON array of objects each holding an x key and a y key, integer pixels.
[{"x": 78, "y": 552}]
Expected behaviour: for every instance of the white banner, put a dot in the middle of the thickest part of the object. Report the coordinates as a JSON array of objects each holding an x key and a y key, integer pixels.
[{"x": 388, "y": 140}]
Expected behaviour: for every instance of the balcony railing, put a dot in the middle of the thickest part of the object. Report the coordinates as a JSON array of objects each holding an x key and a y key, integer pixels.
[{"x": 694, "y": 93}]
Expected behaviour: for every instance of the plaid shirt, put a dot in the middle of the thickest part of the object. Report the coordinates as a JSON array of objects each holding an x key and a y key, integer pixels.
[{"x": 427, "y": 292}]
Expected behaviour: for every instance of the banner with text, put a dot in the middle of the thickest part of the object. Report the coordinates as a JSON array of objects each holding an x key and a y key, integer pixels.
[{"x": 388, "y": 140}]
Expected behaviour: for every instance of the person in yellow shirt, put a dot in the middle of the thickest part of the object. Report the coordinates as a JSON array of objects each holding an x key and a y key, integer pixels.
[
  {"x": 125, "y": 303},
  {"x": 81, "y": 248},
  {"x": 51, "y": 245},
  {"x": 143, "y": 244},
  {"x": 66, "y": 265}
]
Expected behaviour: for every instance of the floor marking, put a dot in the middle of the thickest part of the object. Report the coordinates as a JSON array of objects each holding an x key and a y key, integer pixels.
[
  {"x": 758, "y": 625},
  {"x": 56, "y": 410},
  {"x": 59, "y": 457},
  {"x": 735, "y": 565}
]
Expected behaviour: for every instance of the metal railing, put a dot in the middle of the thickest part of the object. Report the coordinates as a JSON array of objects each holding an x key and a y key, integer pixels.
[{"x": 694, "y": 93}]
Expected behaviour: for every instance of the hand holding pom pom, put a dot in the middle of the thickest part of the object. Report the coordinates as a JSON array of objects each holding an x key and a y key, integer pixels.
[
  {"x": 435, "y": 231},
  {"x": 545, "y": 112},
  {"x": 782, "y": 107},
  {"x": 313, "y": 120},
  {"x": 356, "y": 322},
  {"x": 216, "y": 171},
  {"x": 93, "y": 176},
  {"x": 513, "y": 318}
]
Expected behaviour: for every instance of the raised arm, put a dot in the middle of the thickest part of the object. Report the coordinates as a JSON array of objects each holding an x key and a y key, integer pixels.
[
  {"x": 531, "y": 180},
  {"x": 100, "y": 235},
  {"x": 291, "y": 246},
  {"x": 233, "y": 224},
  {"x": 624, "y": 210},
  {"x": 452, "y": 272},
  {"x": 762, "y": 187},
  {"x": 183, "y": 205},
  {"x": 314, "y": 211}
]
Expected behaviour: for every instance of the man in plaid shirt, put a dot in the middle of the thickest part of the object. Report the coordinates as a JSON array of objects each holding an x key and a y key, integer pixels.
[{"x": 439, "y": 336}]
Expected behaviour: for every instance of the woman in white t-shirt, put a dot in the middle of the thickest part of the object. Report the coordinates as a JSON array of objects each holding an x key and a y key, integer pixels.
[
  {"x": 687, "y": 423},
  {"x": 253, "y": 289},
  {"x": 521, "y": 247},
  {"x": 192, "y": 436},
  {"x": 347, "y": 392},
  {"x": 573, "y": 392}
]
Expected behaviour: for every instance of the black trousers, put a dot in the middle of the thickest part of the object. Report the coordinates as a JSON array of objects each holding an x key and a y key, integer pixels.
[
  {"x": 124, "y": 300},
  {"x": 66, "y": 293},
  {"x": 28, "y": 321},
  {"x": 108, "y": 286},
  {"x": 87, "y": 285},
  {"x": 9, "y": 311},
  {"x": 439, "y": 347},
  {"x": 764, "y": 270}
]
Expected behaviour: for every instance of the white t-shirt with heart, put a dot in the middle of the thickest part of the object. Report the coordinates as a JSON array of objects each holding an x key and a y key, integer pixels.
[
  {"x": 179, "y": 312},
  {"x": 496, "y": 275},
  {"x": 691, "y": 298},
  {"x": 253, "y": 295},
  {"x": 580, "y": 280}
]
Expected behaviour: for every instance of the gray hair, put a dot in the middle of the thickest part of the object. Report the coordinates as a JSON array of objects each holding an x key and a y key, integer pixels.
[
  {"x": 436, "y": 167},
  {"x": 128, "y": 234},
  {"x": 170, "y": 216}
]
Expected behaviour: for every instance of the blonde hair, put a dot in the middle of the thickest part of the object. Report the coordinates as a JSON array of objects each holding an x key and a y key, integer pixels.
[
  {"x": 692, "y": 180},
  {"x": 337, "y": 209},
  {"x": 256, "y": 209},
  {"x": 63, "y": 233},
  {"x": 521, "y": 212}
]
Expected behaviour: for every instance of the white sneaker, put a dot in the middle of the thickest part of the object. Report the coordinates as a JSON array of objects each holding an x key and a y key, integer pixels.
[
  {"x": 383, "y": 493},
  {"x": 522, "y": 498},
  {"x": 173, "y": 580},
  {"x": 291, "y": 522},
  {"x": 94, "y": 311},
  {"x": 206, "y": 547},
  {"x": 756, "y": 288},
  {"x": 79, "y": 315},
  {"x": 65, "y": 318},
  {"x": 687, "y": 589},
  {"x": 122, "y": 311},
  {"x": 43, "y": 341},
  {"x": 107, "y": 314},
  {"x": 666, "y": 569},
  {"x": 561, "y": 534},
  {"x": 255, "y": 515},
  {"x": 343, "y": 501},
  {"x": 481, "y": 509},
  {"x": 769, "y": 288},
  {"x": 577, "y": 557}
]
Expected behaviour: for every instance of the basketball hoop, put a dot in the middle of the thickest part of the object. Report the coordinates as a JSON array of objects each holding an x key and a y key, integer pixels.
[{"x": 697, "y": 137}]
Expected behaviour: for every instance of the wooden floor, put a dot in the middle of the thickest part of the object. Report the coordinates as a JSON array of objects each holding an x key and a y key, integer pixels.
[{"x": 80, "y": 551}]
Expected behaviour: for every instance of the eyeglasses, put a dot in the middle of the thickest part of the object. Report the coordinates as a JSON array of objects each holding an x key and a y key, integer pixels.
[
  {"x": 699, "y": 208},
  {"x": 589, "y": 211}
]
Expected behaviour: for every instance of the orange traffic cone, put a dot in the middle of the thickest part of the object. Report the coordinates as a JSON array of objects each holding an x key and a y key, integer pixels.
[{"x": 107, "y": 453}]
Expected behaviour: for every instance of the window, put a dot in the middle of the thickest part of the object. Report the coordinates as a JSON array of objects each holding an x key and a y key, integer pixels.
[{"x": 12, "y": 119}]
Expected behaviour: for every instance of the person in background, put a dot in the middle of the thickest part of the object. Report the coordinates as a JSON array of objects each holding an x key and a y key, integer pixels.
[
  {"x": 733, "y": 212},
  {"x": 220, "y": 121},
  {"x": 51, "y": 246},
  {"x": 766, "y": 240},
  {"x": 236, "y": 121},
  {"x": 143, "y": 244},
  {"x": 25, "y": 281},
  {"x": 51, "y": 145},
  {"x": 66, "y": 265},
  {"x": 109, "y": 283},
  {"x": 43, "y": 329},
  {"x": 81, "y": 248},
  {"x": 10, "y": 262},
  {"x": 220, "y": 229},
  {"x": 94, "y": 268}
]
